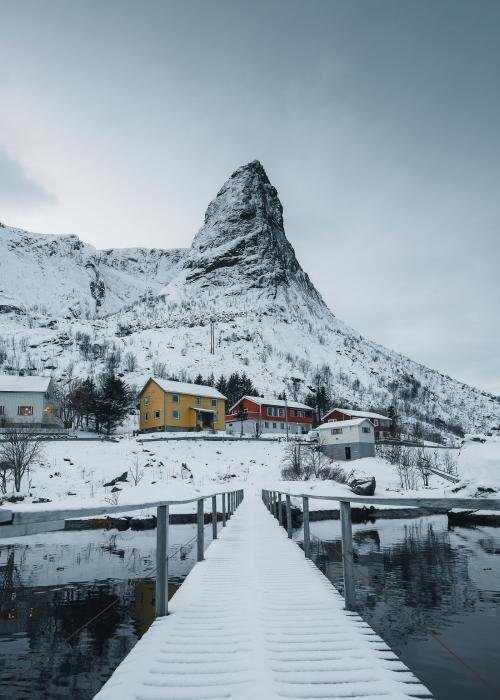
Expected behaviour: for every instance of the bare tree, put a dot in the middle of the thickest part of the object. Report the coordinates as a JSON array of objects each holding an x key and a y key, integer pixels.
[
  {"x": 136, "y": 471},
  {"x": 130, "y": 361},
  {"x": 315, "y": 460},
  {"x": 21, "y": 448},
  {"x": 5, "y": 470}
]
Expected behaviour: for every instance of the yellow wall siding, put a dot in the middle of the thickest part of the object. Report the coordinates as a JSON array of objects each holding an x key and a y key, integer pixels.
[{"x": 164, "y": 403}]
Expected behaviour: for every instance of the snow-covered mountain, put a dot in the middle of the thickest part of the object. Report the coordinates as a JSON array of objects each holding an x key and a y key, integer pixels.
[
  {"x": 241, "y": 275},
  {"x": 61, "y": 275}
]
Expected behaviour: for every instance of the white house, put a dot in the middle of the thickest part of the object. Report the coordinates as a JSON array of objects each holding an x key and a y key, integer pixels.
[
  {"x": 347, "y": 439},
  {"x": 28, "y": 401}
]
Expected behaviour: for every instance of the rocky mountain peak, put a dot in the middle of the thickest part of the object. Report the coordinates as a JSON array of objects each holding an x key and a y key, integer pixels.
[{"x": 242, "y": 244}]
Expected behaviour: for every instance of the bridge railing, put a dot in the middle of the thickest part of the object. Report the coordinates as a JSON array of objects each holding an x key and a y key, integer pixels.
[
  {"x": 273, "y": 499},
  {"x": 22, "y": 523}
]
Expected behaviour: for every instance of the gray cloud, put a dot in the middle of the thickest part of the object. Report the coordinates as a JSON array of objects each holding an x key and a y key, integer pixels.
[
  {"x": 16, "y": 188},
  {"x": 379, "y": 124}
]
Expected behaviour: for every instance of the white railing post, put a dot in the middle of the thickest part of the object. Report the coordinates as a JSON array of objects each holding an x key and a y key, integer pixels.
[
  {"x": 161, "y": 595},
  {"x": 288, "y": 517},
  {"x": 201, "y": 530},
  {"x": 214, "y": 517},
  {"x": 346, "y": 528},
  {"x": 307, "y": 533}
]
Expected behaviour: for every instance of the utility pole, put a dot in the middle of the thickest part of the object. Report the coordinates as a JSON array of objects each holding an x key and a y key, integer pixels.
[
  {"x": 212, "y": 337},
  {"x": 286, "y": 415}
]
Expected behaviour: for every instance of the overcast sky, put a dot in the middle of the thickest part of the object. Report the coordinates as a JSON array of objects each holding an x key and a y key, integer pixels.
[{"x": 378, "y": 122}]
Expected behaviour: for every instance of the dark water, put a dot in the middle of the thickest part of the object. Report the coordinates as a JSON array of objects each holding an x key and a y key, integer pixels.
[
  {"x": 52, "y": 587},
  {"x": 420, "y": 585},
  {"x": 432, "y": 593}
]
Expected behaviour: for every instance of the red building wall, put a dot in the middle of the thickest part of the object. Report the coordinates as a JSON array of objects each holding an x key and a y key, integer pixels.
[{"x": 256, "y": 412}]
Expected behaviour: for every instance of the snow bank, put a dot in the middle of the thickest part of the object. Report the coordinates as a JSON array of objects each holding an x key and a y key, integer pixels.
[{"x": 479, "y": 467}]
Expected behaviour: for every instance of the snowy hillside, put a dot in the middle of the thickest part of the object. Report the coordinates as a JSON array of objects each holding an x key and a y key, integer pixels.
[
  {"x": 61, "y": 276},
  {"x": 240, "y": 273}
]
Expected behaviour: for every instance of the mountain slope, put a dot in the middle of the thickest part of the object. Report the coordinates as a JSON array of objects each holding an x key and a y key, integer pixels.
[
  {"x": 241, "y": 275},
  {"x": 61, "y": 275}
]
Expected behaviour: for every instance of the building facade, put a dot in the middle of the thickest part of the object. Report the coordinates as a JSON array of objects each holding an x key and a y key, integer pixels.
[
  {"x": 178, "y": 406},
  {"x": 29, "y": 402},
  {"x": 253, "y": 415},
  {"x": 382, "y": 424},
  {"x": 346, "y": 440}
]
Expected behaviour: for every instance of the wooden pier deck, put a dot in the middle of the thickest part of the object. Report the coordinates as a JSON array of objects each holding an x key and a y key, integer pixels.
[{"x": 256, "y": 620}]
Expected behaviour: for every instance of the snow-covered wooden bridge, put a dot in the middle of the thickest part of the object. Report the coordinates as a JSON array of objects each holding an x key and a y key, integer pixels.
[{"x": 256, "y": 619}]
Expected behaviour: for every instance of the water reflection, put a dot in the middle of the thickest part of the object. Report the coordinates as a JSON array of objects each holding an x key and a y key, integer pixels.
[
  {"x": 430, "y": 592},
  {"x": 72, "y": 605}
]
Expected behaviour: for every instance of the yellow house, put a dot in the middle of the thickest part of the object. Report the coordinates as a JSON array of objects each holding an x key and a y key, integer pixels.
[{"x": 169, "y": 405}]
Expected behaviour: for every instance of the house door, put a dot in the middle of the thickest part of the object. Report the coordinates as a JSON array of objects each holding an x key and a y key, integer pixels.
[{"x": 348, "y": 453}]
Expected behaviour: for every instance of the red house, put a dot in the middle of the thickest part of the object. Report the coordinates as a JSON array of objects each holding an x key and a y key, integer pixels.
[
  {"x": 382, "y": 424},
  {"x": 254, "y": 415}
]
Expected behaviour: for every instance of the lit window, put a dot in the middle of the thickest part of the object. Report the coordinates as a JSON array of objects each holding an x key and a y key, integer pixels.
[
  {"x": 157, "y": 414},
  {"x": 336, "y": 431},
  {"x": 146, "y": 400},
  {"x": 25, "y": 410},
  {"x": 175, "y": 398},
  {"x": 175, "y": 413}
]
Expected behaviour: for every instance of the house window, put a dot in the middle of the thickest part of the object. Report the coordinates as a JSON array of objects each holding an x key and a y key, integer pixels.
[
  {"x": 266, "y": 424},
  {"x": 175, "y": 398},
  {"x": 376, "y": 421},
  {"x": 146, "y": 417},
  {"x": 366, "y": 430},
  {"x": 214, "y": 402},
  {"x": 274, "y": 425},
  {"x": 307, "y": 414},
  {"x": 2, "y": 410},
  {"x": 157, "y": 414},
  {"x": 175, "y": 414},
  {"x": 25, "y": 410},
  {"x": 275, "y": 411},
  {"x": 336, "y": 431},
  {"x": 282, "y": 426},
  {"x": 198, "y": 401},
  {"x": 146, "y": 400}
]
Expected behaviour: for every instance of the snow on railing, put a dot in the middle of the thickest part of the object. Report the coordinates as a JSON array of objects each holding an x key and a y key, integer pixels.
[
  {"x": 47, "y": 519},
  {"x": 273, "y": 500}
]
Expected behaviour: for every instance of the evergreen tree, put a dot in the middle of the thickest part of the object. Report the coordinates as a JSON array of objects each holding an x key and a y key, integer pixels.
[{"x": 113, "y": 402}]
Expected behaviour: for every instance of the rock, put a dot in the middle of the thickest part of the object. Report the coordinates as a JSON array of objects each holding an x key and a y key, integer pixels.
[{"x": 117, "y": 480}]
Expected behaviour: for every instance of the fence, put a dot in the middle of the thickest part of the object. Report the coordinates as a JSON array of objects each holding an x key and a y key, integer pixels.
[
  {"x": 14, "y": 524},
  {"x": 273, "y": 501}
]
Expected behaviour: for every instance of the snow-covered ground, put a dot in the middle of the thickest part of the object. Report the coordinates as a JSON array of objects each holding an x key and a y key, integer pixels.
[{"x": 479, "y": 467}]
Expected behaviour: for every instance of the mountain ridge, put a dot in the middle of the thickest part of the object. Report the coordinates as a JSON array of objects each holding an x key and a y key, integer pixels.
[{"x": 242, "y": 276}]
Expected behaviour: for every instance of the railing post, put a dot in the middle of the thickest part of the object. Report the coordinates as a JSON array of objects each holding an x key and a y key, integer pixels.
[
  {"x": 273, "y": 497},
  {"x": 307, "y": 533},
  {"x": 346, "y": 528},
  {"x": 214, "y": 517},
  {"x": 201, "y": 530},
  {"x": 161, "y": 594},
  {"x": 280, "y": 510},
  {"x": 223, "y": 510},
  {"x": 288, "y": 517}
]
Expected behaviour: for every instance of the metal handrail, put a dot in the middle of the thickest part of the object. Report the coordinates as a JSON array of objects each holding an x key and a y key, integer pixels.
[
  {"x": 230, "y": 501},
  {"x": 272, "y": 498}
]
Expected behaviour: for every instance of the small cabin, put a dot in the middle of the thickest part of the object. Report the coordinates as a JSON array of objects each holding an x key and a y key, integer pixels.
[
  {"x": 167, "y": 405},
  {"x": 346, "y": 440},
  {"x": 382, "y": 424},
  {"x": 254, "y": 415},
  {"x": 28, "y": 402}
]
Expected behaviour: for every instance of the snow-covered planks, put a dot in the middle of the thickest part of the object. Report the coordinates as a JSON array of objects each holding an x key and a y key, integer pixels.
[{"x": 256, "y": 619}]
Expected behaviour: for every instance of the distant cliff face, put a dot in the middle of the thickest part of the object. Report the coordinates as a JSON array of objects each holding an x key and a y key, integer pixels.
[
  {"x": 153, "y": 309},
  {"x": 62, "y": 276},
  {"x": 242, "y": 244}
]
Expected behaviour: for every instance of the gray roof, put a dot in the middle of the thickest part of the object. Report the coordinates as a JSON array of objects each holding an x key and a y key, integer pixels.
[{"x": 34, "y": 385}]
